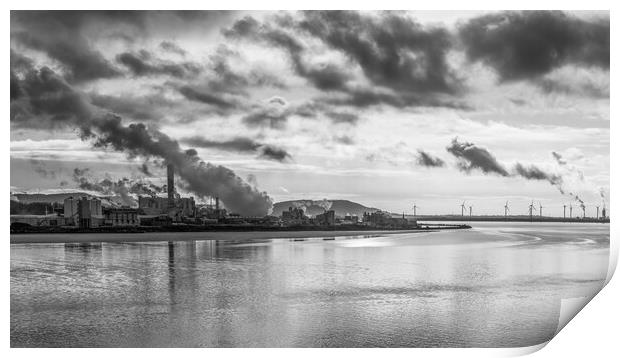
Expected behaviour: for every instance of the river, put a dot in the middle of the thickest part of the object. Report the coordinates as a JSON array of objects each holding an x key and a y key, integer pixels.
[{"x": 496, "y": 285}]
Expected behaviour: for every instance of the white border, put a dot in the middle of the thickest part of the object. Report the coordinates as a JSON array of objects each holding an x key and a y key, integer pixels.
[{"x": 594, "y": 330}]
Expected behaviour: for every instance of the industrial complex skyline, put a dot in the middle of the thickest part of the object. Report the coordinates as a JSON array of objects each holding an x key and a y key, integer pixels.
[{"x": 395, "y": 109}]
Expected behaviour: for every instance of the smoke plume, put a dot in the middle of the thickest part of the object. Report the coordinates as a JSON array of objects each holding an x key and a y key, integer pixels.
[
  {"x": 427, "y": 160},
  {"x": 472, "y": 157},
  {"x": 533, "y": 172},
  {"x": 124, "y": 188},
  {"x": 47, "y": 99}
]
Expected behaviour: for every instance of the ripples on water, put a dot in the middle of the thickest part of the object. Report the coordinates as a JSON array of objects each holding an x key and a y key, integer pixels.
[{"x": 499, "y": 285}]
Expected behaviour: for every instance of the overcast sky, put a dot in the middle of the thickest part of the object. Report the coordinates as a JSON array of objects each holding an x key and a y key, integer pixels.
[{"x": 385, "y": 109}]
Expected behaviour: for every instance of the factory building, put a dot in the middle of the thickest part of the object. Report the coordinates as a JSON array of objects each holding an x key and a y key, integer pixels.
[
  {"x": 328, "y": 218},
  {"x": 84, "y": 212},
  {"x": 294, "y": 216},
  {"x": 121, "y": 217},
  {"x": 172, "y": 205},
  {"x": 385, "y": 219},
  {"x": 153, "y": 205}
]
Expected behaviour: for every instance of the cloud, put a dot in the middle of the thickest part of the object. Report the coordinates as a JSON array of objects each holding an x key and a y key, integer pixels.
[
  {"x": 428, "y": 160},
  {"x": 49, "y": 97},
  {"x": 274, "y": 153},
  {"x": 473, "y": 157},
  {"x": 143, "y": 64},
  {"x": 344, "y": 139},
  {"x": 172, "y": 47},
  {"x": 529, "y": 44},
  {"x": 267, "y": 117},
  {"x": 241, "y": 145},
  {"x": 58, "y": 34},
  {"x": 148, "y": 107},
  {"x": 216, "y": 101},
  {"x": 405, "y": 60},
  {"x": 342, "y": 117},
  {"x": 392, "y": 50}
]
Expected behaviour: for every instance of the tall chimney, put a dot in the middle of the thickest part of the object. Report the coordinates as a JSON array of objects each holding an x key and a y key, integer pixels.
[
  {"x": 217, "y": 203},
  {"x": 170, "y": 186}
]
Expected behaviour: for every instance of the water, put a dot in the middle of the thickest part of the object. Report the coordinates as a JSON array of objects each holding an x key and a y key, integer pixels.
[{"x": 497, "y": 285}]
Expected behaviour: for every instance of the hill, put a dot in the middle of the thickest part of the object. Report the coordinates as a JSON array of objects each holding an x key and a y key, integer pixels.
[
  {"x": 314, "y": 207},
  {"x": 29, "y": 198}
]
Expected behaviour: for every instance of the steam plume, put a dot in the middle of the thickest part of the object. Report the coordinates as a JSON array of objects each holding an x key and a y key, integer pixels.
[{"x": 50, "y": 100}]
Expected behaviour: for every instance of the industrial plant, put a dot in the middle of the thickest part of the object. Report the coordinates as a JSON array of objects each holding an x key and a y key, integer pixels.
[
  {"x": 173, "y": 212},
  {"x": 86, "y": 212}
]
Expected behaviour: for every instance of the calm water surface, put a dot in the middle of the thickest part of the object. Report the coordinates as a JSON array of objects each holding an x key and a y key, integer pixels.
[{"x": 497, "y": 285}]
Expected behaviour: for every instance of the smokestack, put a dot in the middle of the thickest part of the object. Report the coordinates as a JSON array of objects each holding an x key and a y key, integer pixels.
[
  {"x": 170, "y": 186},
  {"x": 217, "y": 203}
]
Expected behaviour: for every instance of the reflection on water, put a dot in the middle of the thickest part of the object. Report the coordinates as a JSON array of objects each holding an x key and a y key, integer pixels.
[{"x": 498, "y": 285}]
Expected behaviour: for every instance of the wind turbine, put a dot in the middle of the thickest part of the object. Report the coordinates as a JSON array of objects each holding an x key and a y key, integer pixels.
[
  {"x": 470, "y": 211},
  {"x": 415, "y": 207},
  {"x": 506, "y": 209},
  {"x": 463, "y": 209},
  {"x": 597, "y": 212},
  {"x": 571, "y": 210},
  {"x": 541, "y": 207},
  {"x": 532, "y": 209},
  {"x": 564, "y": 211}
]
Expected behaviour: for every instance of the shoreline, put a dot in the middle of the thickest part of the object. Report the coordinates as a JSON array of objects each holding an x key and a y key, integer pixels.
[{"x": 59, "y": 238}]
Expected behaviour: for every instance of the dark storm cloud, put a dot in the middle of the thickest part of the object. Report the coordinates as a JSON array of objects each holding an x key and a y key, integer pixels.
[
  {"x": 325, "y": 77},
  {"x": 266, "y": 117},
  {"x": 67, "y": 36},
  {"x": 241, "y": 145},
  {"x": 49, "y": 100},
  {"x": 529, "y": 44},
  {"x": 58, "y": 35},
  {"x": 144, "y": 64},
  {"x": 172, "y": 47},
  {"x": 589, "y": 89},
  {"x": 428, "y": 160},
  {"x": 229, "y": 80},
  {"x": 150, "y": 107},
  {"x": 472, "y": 157},
  {"x": 212, "y": 99},
  {"x": 394, "y": 52},
  {"x": 14, "y": 89}
]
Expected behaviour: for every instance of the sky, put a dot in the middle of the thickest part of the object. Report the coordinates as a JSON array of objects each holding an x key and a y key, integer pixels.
[{"x": 386, "y": 109}]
